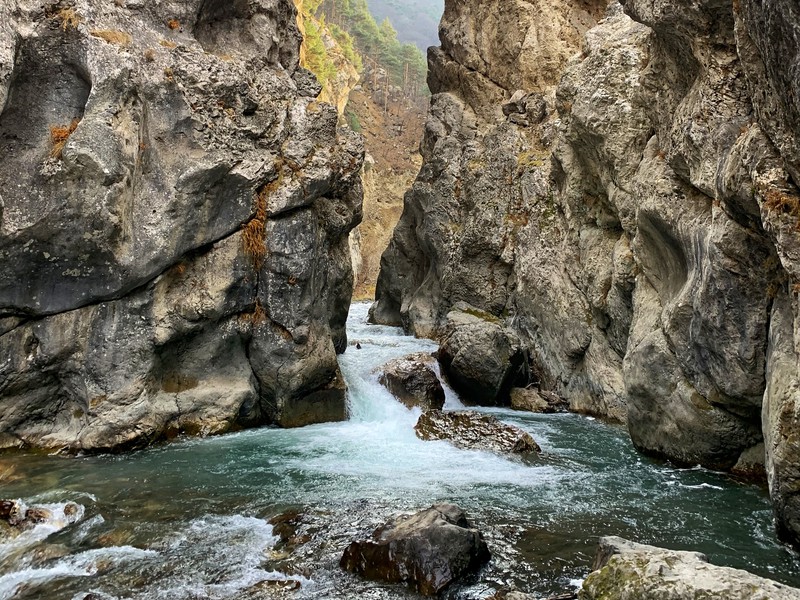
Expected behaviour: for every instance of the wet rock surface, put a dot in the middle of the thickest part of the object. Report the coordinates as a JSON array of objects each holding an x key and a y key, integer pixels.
[
  {"x": 626, "y": 570},
  {"x": 413, "y": 382},
  {"x": 426, "y": 551},
  {"x": 475, "y": 431},
  {"x": 173, "y": 224}
]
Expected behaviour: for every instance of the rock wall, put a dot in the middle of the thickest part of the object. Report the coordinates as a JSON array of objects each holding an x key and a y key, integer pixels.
[
  {"x": 174, "y": 213},
  {"x": 639, "y": 232}
]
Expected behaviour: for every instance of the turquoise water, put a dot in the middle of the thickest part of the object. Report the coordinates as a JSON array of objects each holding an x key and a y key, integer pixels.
[{"x": 190, "y": 519}]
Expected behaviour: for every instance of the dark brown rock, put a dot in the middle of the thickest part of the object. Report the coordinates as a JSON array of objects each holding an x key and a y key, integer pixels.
[
  {"x": 427, "y": 551},
  {"x": 475, "y": 431},
  {"x": 413, "y": 382}
]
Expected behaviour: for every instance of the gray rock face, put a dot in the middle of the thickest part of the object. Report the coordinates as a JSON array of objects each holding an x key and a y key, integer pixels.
[
  {"x": 474, "y": 431},
  {"x": 174, "y": 212},
  {"x": 426, "y": 551},
  {"x": 641, "y": 240},
  {"x": 626, "y": 571},
  {"x": 413, "y": 382},
  {"x": 480, "y": 358}
]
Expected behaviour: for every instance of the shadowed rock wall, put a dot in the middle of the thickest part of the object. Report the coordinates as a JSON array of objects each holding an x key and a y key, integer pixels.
[{"x": 179, "y": 262}]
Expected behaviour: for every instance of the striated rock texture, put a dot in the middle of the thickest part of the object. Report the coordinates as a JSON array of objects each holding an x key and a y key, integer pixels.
[
  {"x": 628, "y": 571},
  {"x": 642, "y": 238},
  {"x": 174, "y": 213}
]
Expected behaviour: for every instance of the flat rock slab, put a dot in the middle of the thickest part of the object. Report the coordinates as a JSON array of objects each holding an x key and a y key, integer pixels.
[
  {"x": 413, "y": 382},
  {"x": 426, "y": 551},
  {"x": 629, "y": 571},
  {"x": 475, "y": 431}
]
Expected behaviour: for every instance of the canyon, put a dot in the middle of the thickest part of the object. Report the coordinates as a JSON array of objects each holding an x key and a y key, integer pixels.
[{"x": 605, "y": 217}]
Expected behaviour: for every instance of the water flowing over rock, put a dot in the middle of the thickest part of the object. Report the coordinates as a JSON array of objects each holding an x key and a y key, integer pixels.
[
  {"x": 174, "y": 213},
  {"x": 413, "y": 382},
  {"x": 475, "y": 431},
  {"x": 641, "y": 240},
  {"x": 426, "y": 551},
  {"x": 626, "y": 571}
]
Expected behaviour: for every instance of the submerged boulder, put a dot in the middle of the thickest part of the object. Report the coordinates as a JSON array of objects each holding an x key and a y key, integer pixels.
[
  {"x": 413, "y": 382},
  {"x": 426, "y": 551},
  {"x": 628, "y": 571},
  {"x": 474, "y": 431},
  {"x": 481, "y": 359}
]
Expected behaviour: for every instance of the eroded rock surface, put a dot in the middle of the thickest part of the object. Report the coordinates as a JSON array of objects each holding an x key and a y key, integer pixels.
[
  {"x": 413, "y": 382},
  {"x": 178, "y": 262},
  {"x": 641, "y": 240},
  {"x": 626, "y": 571},
  {"x": 475, "y": 431},
  {"x": 426, "y": 551}
]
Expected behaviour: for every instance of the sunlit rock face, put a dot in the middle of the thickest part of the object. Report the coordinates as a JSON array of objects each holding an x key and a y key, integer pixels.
[
  {"x": 174, "y": 213},
  {"x": 642, "y": 237}
]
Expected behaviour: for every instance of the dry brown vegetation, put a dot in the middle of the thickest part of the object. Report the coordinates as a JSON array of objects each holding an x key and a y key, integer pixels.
[
  {"x": 59, "y": 134},
  {"x": 69, "y": 18},
  {"x": 778, "y": 201},
  {"x": 174, "y": 24},
  {"x": 254, "y": 232},
  {"x": 120, "y": 38},
  {"x": 168, "y": 44},
  {"x": 257, "y": 317}
]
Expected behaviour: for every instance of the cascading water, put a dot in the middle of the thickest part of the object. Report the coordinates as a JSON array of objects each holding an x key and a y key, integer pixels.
[{"x": 190, "y": 520}]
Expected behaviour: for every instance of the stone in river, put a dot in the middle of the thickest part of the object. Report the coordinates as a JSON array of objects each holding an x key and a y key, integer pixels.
[{"x": 426, "y": 551}]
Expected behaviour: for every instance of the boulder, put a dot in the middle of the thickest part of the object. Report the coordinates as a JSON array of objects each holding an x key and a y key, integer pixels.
[
  {"x": 537, "y": 401},
  {"x": 475, "y": 431},
  {"x": 628, "y": 571},
  {"x": 426, "y": 551},
  {"x": 413, "y": 382},
  {"x": 481, "y": 359}
]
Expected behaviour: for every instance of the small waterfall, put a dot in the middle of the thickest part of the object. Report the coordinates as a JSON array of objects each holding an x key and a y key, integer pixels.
[{"x": 192, "y": 515}]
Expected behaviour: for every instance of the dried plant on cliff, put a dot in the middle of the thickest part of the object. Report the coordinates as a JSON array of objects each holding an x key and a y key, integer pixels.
[
  {"x": 254, "y": 232},
  {"x": 120, "y": 38},
  {"x": 59, "y": 134}
]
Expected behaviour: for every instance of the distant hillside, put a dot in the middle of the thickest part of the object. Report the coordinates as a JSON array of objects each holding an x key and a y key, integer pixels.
[
  {"x": 401, "y": 65},
  {"x": 416, "y": 21}
]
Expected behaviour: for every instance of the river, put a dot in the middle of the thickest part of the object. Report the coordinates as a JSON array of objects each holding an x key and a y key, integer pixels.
[{"x": 189, "y": 520}]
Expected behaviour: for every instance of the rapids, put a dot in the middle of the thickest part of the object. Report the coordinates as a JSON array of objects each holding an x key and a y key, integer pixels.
[{"x": 190, "y": 519}]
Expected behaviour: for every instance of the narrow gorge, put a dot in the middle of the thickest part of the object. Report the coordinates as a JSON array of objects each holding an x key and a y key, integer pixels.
[{"x": 528, "y": 333}]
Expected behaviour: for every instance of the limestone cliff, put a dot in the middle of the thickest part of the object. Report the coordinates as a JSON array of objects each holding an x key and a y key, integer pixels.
[
  {"x": 174, "y": 212},
  {"x": 629, "y": 212},
  {"x": 323, "y": 56}
]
